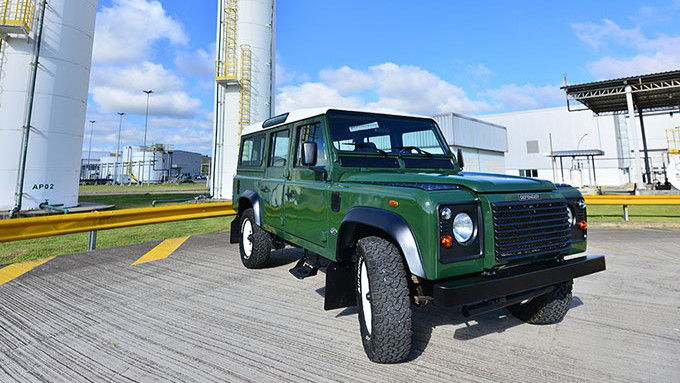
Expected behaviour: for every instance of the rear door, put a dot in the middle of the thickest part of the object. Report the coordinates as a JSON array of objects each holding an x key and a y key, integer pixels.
[
  {"x": 306, "y": 196},
  {"x": 272, "y": 187}
]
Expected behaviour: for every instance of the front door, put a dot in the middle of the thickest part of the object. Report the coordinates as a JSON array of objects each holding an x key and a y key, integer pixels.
[
  {"x": 306, "y": 197},
  {"x": 275, "y": 176}
]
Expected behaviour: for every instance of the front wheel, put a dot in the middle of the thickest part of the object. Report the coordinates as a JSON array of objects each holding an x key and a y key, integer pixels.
[
  {"x": 255, "y": 244},
  {"x": 547, "y": 308},
  {"x": 383, "y": 301}
]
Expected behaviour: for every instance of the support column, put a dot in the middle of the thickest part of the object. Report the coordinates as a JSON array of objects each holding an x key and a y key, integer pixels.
[
  {"x": 633, "y": 134},
  {"x": 648, "y": 171}
]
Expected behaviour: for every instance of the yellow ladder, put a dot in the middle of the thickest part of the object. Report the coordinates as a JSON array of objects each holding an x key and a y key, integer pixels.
[
  {"x": 245, "y": 86},
  {"x": 673, "y": 138},
  {"x": 226, "y": 69},
  {"x": 16, "y": 16}
]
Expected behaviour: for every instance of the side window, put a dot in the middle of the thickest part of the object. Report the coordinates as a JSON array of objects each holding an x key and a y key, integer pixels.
[
  {"x": 313, "y": 133},
  {"x": 278, "y": 157},
  {"x": 251, "y": 151}
]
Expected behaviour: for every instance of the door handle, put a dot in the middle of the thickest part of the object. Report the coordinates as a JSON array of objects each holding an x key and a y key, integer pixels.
[{"x": 264, "y": 189}]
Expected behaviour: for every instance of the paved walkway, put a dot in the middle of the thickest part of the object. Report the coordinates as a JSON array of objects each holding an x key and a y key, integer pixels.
[{"x": 199, "y": 315}]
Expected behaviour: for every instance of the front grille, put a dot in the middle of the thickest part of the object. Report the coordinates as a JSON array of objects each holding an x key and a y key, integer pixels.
[{"x": 537, "y": 228}]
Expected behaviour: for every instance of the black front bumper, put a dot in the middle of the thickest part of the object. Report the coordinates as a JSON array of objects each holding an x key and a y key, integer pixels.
[{"x": 485, "y": 288}]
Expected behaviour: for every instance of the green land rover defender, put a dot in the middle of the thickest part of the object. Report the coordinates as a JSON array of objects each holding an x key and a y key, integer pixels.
[{"x": 381, "y": 204}]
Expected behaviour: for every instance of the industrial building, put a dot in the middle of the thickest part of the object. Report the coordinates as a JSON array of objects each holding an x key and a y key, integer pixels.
[
  {"x": 160, "y": 164},
  {"x": 596, "y": 145},
  {"x": 42, "y": 164},
  {"x": 483, "y": 144}
]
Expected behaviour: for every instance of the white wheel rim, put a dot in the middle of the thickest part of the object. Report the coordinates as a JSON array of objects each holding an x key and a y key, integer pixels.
[
  {"x": 365, "y": 291},
  {"x": 246, "y": 237}
]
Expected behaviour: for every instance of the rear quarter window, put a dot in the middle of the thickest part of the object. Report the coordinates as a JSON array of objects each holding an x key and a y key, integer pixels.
[{"x": 251, "y": 151}]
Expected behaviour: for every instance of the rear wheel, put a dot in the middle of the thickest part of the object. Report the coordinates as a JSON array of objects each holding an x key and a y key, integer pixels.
[
  {"x": 255, "y": 244},
  {"x": 383, "y": 301},
  {"x": 547, "y": 308}
]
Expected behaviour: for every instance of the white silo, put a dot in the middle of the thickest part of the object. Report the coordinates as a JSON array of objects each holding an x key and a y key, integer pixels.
[
  {"x": 52, "y": 163},
  {"x": 246, "y": 46}
]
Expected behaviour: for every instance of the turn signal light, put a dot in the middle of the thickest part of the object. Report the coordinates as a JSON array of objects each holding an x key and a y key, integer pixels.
[
  {"x": 583, "y": 225},
  {"x": 394, "y": 203},
  {"x": 446, "y": 241}
]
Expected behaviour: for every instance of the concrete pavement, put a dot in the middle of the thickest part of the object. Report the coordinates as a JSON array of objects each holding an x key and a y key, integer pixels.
[{"x": 199, "y": 315}]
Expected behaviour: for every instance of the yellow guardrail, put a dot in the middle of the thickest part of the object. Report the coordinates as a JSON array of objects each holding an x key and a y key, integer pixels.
[
  {"x": 627, "y": 200},
  {"x": 28, "y": 228},
  {"x": 631, "y": 200}
]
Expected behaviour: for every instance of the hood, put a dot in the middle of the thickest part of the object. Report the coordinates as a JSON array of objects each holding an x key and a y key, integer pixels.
[{"x": 478, "y": 182}]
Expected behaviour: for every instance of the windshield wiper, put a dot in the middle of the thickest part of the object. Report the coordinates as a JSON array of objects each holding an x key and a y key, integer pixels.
[
  {"x": 366, "y": 146},
  {"x": 417, "y": 149}
]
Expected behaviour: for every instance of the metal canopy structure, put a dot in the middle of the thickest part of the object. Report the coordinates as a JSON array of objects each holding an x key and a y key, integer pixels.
[
  {"x": 652, "y": 92},
  {"x": 657, "y": 92},
  {"x": 589, "y": 154}
]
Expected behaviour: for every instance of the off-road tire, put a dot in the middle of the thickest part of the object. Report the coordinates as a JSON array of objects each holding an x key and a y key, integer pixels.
[
  {"x": 261, "y": 243},
  {"x": 547, "y": 308},
  {"x": 389, "y": 338}
]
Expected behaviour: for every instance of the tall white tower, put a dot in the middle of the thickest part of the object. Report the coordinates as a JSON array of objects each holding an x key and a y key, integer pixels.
[
  {"x": 52, "y": 164},
  {"x": 244, "y": 93}
]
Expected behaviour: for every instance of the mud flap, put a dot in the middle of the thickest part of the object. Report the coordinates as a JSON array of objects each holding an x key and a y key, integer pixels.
[
  {"x": 235, "y": 230},
  {"x": 340, "y": 289}
]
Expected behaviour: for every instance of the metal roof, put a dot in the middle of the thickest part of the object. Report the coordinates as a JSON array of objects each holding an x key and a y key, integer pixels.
[
  {"x": 577, "y": 153},
  {"x": 303, "y": 114},
  {"x": 651, "y": 92}
]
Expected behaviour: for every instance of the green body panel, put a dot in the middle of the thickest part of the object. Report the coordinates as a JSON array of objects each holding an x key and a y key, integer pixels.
[{"x": 295, "y": 202}]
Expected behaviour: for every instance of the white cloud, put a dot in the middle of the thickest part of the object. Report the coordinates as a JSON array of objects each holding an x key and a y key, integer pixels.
[
  {"x": 512, "y": 96},
  {"x": 199, "y": 63},
  {"x": 401, "y": 88},
  {"x": 286, "y": 76},
  {"x": 117, "y": 89},
  {"x": 347, "y": 80},
  {"x": 657, "y": 54},
  {"x": 480, "y": 70},
  {"x": 126, "y": 30},
  {"x": 310, "y": 95}
]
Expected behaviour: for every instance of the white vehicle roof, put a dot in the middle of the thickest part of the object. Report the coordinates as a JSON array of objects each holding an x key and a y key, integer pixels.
[{"x": 302, "y": 114}]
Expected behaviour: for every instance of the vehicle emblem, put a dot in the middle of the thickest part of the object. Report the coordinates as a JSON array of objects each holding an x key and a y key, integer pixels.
[
  {"x": 529, "y": 196},
  {"x": 334, "y": 231}
]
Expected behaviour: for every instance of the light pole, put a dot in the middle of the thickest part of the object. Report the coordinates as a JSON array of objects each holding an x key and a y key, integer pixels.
[
  {"x": 146, "y": 126},
  {"x": 120, "y": 127},
  {"x": 579, "y": 141},
  {"x": 89, "y": 150}
]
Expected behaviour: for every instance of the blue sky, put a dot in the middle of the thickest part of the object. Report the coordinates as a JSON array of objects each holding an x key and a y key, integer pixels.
[{"x": 441, "y": 56}]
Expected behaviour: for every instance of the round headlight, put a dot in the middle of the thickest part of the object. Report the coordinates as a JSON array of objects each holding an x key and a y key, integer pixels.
[
  {"x": 446, "y": 213},
  {"x": 463, "y": 227},
  {"x": 570, "y": 217}
]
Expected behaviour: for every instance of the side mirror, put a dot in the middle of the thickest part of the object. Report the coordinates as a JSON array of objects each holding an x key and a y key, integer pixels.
[
  {"x": 459, "y": 156},
  {"x": 309, "y": 152}
]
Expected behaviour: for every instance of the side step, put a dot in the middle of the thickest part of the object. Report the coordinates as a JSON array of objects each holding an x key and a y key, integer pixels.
[{"x": 307, "y": 266}]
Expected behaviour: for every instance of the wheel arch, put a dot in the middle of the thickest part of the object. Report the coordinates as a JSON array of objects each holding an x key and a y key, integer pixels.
[
  {"x": 363, "y": 221},
  {"x": 248, "y": 199}
]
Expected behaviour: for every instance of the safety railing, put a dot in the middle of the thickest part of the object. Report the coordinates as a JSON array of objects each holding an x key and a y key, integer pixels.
[
  {"x": 628, "y": 200},
  {"x": 38, "y": 227},
  {"x": 16, "y": 16}
]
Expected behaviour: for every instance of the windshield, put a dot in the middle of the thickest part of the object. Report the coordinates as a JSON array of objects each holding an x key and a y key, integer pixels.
[{"x": 353, "y": 132}]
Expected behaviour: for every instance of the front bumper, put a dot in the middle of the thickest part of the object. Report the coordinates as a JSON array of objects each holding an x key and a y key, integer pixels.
[{"x": 486, "y": 288}]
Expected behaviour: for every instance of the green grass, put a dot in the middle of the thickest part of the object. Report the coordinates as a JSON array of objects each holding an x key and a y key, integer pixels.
[
  {"x": 31, "y": 249},
  {"x": 134, "y": 189},
  {"x": 129, "y": 201},
  {"x": 613, "y": 213}
]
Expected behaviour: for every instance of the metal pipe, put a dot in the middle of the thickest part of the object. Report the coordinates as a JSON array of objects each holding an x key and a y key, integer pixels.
[
  {"x": 115, "y": 169},
  {"x": 648, "y": 171},
  {"x": 57, "y": 208},
  {"x": 633, "y": 134},
  {"x": 29, "y": 116},
  {"x": 89, "y": 150},
  {"x": 146, "y": 126}
]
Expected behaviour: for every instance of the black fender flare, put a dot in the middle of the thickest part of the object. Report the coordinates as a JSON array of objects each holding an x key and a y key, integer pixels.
[
  {"x": 392, "y": 224},
  {"x": 254, "y": 200}
]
